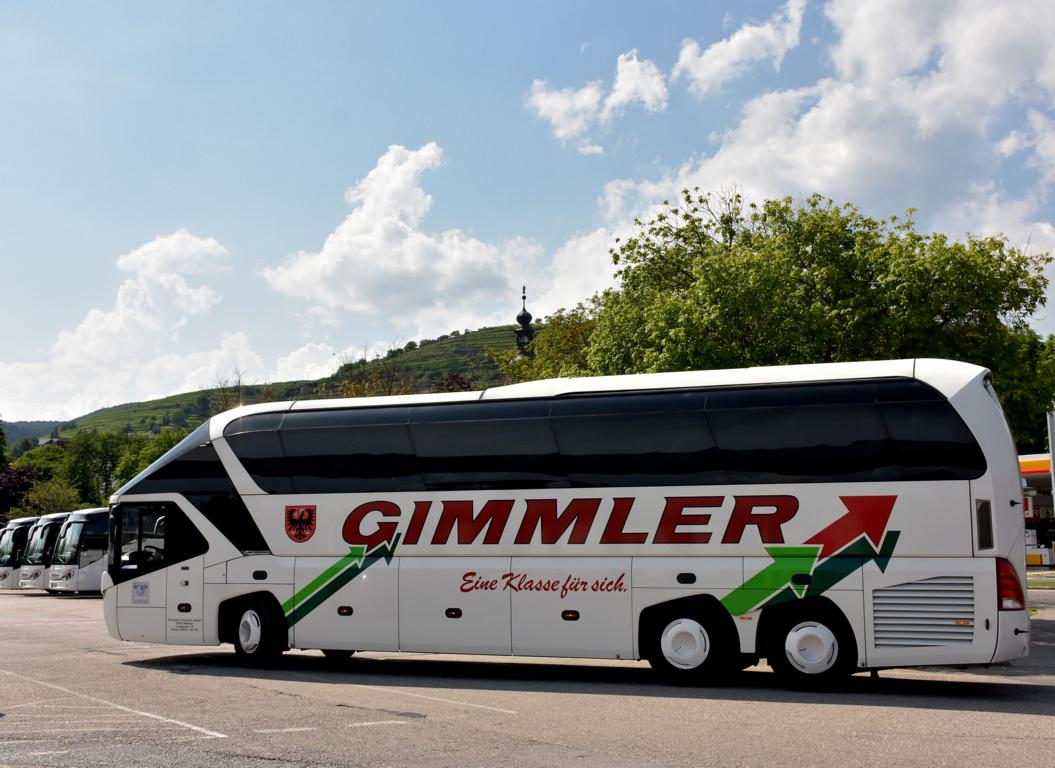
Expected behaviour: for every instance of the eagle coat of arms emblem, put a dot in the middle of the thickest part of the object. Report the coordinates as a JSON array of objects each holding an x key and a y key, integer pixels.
[{"x": 300, "y": 522}]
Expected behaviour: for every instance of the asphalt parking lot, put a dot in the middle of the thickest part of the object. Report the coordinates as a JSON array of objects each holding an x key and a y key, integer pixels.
[{"x": 72, "y": 696}]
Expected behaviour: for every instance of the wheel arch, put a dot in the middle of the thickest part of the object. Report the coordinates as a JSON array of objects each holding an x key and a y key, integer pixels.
[
  {"x": 231, "y": 609},
  {"x": 774, "y": 616},
  {"x": 653, "y": 616}
]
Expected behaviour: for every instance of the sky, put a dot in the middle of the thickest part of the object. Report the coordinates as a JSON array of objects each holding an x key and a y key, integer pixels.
[{"x": 191, "y": 189}]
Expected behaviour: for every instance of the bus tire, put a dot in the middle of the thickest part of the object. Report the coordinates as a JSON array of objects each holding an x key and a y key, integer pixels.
[
  {"x": 689, "y": 645},
  {"x": 812, "y": 647},
  {"x": 259, "y": 633}
]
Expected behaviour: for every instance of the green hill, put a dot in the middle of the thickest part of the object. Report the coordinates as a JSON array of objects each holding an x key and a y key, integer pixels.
[
  {"x": 452, "y": 361},
  {"x": 17, "y": 430}
]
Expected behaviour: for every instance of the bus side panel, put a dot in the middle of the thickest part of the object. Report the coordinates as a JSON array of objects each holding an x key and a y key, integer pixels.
[
  {"x": 454, "y": 605},
  {"x": 370, "y": 590},
  {"x": 89, "y": 577},
  {"x": 597, "y": 589},
  {"x": 185, "y": 602},
  {"x": 924, "y": 611}
]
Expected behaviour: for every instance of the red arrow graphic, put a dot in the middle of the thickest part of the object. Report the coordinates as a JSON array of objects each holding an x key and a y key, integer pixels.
[{"x": 868, "y": 516}]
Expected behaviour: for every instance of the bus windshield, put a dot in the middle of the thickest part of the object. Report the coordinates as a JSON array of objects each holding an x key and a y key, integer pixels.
[
  {"x": 37, "y": 542},
  {"x": 66, "y": 548},
  {"x": 7, "y": 546}
]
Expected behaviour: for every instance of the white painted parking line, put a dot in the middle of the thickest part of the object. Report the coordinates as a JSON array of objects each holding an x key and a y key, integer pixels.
[
  {"x": 282, "y": 730},
  {"x": 407, "y": 693},
  {"x": 206, "y": 732},
  {"x": 377, "y": 722}
]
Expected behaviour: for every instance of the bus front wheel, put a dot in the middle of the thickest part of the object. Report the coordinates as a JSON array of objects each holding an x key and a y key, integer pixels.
[{"x": 259, "y": 633}]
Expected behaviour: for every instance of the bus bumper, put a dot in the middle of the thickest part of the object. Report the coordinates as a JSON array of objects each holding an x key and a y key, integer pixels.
[
  {"x": 62, "y": 578},
  {"x": 1012, "y": 635},
  {"x": 110, "y": 606}
]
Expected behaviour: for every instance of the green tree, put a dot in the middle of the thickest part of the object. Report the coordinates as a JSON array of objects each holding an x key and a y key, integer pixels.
[
  {"x": 714, "y": 283},
  {"x": 45, "y": 461},
  {"x": 3, "y": 447},
  {"x": 559, "y": 346},
  {"x": 49, "y": 496},
  {"x": 14, "y": 482},
  {"x": 139, "y": 453},
  {"x": 91, "y": 464}
]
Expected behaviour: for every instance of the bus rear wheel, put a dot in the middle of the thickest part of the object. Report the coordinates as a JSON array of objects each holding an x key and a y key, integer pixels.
[
  {"x": 259, "y": 635},
  {"x": 689, "y": 648},
  {"x": 812, "y": 648}
]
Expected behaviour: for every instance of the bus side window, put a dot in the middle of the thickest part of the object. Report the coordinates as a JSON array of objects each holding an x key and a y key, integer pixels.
[{"x": 153, "y": 536}]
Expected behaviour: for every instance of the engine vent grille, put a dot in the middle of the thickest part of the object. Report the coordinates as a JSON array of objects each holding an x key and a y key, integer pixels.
[{"x": 936, "y": 611}]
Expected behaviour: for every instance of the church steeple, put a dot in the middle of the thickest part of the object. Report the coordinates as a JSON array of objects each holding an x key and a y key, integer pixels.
[{"x": 524, "y": 333}]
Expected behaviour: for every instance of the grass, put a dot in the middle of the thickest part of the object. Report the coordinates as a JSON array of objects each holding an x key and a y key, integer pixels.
[{"x": 1034, "y": 583}]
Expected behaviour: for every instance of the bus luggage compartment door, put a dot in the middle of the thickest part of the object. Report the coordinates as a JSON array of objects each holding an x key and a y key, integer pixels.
[
  {"x": 571, "y": 606},
  {"x": 454, "y": 605}
]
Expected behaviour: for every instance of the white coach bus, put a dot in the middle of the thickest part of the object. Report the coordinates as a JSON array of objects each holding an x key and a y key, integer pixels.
[
  {"x": 829, "y": 518},
  {"x": 36, "y": 562},
  {"x": 80, "y": 552},
  {"x": 12, "y": 546}
]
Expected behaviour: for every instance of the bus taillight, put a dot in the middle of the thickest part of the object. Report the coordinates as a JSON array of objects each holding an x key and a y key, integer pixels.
[{"x": 1008, "y": 588}]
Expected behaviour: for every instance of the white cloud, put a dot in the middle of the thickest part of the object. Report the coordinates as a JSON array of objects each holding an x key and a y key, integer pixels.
[
  {"x": 947, "y": 62},
  {"x": 708, "y": 70},
  {"x": 379, "y": 261},
  {"x": 1013, "y": 143},
  {"x": 574, "y": 112},
  {"x": 129, "y": 351},
  {"x": 570, "y": 111},
  {"x": 311, "y": 361},
  {"x": 635, "y": 81},
  {"x": 580, "y": 268},
  {"x": 1043, "y": 141}
]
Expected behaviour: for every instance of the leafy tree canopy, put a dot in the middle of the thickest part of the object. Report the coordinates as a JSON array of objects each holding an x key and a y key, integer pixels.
[
  {"x": 51, "y": 496},
  {"x": 714, "y": 283}
]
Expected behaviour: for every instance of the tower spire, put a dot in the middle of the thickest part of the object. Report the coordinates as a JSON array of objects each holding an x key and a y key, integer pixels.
[{"x": 524, "y": 333}]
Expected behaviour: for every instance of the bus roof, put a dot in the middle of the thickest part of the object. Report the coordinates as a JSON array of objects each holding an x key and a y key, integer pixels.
[
  {"x": 947, "y": 376},
  {"x": 84, "y": 514}
]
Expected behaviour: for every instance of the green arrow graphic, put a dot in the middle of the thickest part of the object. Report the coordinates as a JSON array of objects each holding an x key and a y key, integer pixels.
[
  {"x": 836, "y": 568},
  {"x": 343, "y": 571},
  {"x": 354, "y": 557},
  {"x": 787, "y": 561}
]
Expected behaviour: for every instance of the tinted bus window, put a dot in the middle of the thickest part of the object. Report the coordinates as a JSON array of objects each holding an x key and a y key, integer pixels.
[
  {"x": 804, "y": 444},
  {"x": 932, "y": 442},
  {"x": 486, "y": 445},
  {"x": 637, "y": 440},
  {"x": 348, "y": 451}
]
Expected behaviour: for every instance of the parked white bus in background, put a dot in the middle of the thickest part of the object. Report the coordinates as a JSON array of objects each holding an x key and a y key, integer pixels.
[
  {"x": 12, "y": 546},
  {"x": 829, "y": 518},
  {"x": 80, "y": 552},
  {"x": 36, "y": 562}
]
